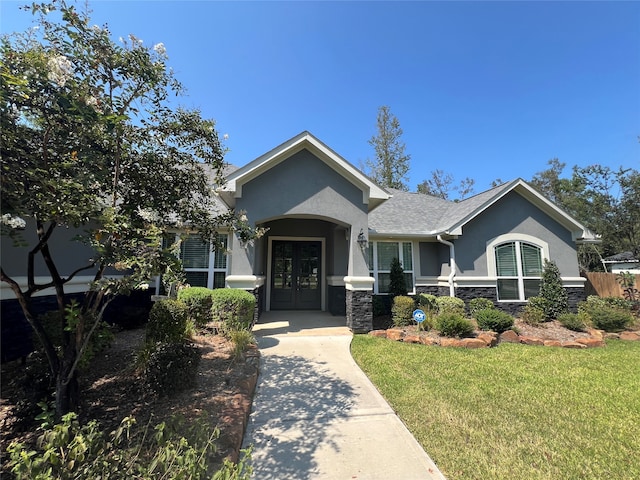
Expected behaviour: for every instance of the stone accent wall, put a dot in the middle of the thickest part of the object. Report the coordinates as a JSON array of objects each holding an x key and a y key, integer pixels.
[
  {"x": 359, "y": 311},
  {"x": 258, "y": 293},
  {"x": 576, "y": 295},
  {"x": 337, "y": 300}
]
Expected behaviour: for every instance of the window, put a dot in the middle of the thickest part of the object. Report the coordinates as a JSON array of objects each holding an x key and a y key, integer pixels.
[
  {"x": 519, "y": 270},
  {"x": 380, "y": 256},
  {"x": 204, "y": 268}
]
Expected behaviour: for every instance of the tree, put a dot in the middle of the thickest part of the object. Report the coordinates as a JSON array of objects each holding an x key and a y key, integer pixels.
[
  {"x": 441, "y": 185},
  {"x": 555, "y": 297},
  {"x": 604, "y": 200},
  {"x": 89, "y": 141},
  {"x": 397, "y": 282},
  {"x": 391, "y": 164}
]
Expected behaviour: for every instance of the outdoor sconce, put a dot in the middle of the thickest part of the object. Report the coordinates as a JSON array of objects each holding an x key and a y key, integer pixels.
[{"x": 362, "y": 240}]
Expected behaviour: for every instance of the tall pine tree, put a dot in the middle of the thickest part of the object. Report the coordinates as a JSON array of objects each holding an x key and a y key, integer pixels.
[{"x": 391, "y": 164}]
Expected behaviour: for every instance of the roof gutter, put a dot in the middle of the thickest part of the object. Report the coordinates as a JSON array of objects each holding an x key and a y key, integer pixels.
[{"x": 452, "y": 262}]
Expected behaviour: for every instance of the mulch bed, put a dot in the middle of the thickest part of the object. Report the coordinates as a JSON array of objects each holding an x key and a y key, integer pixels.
[{"x": 112, "y": 389}]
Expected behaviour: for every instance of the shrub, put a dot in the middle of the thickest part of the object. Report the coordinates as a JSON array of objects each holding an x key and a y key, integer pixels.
[
  {"x": 167, "y": 321},
  {"x": 574, "y": 321},
  {"x": 234, "y": 308},
  {"x": 610, "y": 319},
  {"x": 454, "y": 325},
  {"x": 551, "y": 289},
  {"x": 172, "y": 368},
  {"x": 397, "y": 282},
  {"x": 199, "y": 302},
  {"x": 533, "y": 312},
  {"x": 402, "y": 311},
  {"x": 450, "y": 305},
  {"x": 493, "y": 319},
  {"x": 174, "y": 450},
  {"x": 477, "y": 304},
  {"x": 427, "y": 303}
]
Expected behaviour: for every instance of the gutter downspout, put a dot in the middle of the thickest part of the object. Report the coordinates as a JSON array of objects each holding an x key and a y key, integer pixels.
[{"x": 452, "y": 261}]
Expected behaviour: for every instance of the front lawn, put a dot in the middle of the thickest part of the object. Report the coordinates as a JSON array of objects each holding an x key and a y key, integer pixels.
[{"x": 515, "y": 411}]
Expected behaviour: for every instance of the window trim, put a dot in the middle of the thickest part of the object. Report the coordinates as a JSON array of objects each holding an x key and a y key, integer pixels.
[
  {"x": 373, "y": 269},
  {"x": 211, "y": 269},
  {"x": 518, "y": 239}
]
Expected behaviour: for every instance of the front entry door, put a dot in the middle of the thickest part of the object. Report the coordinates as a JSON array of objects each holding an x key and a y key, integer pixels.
[{"x": 295, "y": 275}]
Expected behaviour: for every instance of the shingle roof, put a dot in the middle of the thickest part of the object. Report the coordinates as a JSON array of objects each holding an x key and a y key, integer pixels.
[
  {"x": 409, "y": 213},
  {"x": 621, "y": 258}
]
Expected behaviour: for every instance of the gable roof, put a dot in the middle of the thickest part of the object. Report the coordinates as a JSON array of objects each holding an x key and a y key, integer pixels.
[
  {"x": 416, "y": 214},
  {"x": 372, "y": 194}
]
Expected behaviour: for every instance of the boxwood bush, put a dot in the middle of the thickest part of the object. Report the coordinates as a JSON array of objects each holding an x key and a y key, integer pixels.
[
  {"x": 402, "y": 311},
  {"x": 167, "y": 321},
  {"x": 234, "y": 308},
  {"x": 448, "y": 305},
  {"x": 199, "y": 301},
  {"x": 454, "y": 325},
  {"x": 477, "y": 304},
  {"x": 493, "y": 319}
]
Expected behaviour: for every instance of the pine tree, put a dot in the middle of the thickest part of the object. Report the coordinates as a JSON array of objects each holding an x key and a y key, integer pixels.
[{"x": 391, "y": 164}]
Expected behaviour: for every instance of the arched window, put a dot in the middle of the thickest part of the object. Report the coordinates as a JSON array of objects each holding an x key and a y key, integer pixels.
[{"x": 519, "y": 270}]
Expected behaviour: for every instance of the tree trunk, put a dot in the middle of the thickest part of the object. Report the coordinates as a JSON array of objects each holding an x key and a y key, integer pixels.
[{"x": 67, "y": 389}]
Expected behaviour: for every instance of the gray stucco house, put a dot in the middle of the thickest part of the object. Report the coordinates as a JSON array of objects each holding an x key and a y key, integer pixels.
[{"x": 332, "y": 233}]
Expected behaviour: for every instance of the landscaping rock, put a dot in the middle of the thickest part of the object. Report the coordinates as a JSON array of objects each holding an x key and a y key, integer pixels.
[
  {"x": 591, "y": 342},
  {"x": 552, "y": 343},
  {"x": 509, "y": 337},
  {"x": 396, "y": 334},
  {"x": 378, "y": 333},
  {"x": 428, "y": 341},
  {"x": 630, "y": 336},
  {"x": 573, "y": 345},
  {"x": 490, "y": 338},
  {"x": 531, "y": 341},
  {"x": 473, "y": 343},
  {"x": 451, "y": 342},
  {"x": 411, "y": 338}
]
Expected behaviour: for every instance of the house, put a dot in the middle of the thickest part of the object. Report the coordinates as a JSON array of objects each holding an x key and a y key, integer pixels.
[
  {"x": 623, "y": 262},
  {"x": 332, "y": 233}
]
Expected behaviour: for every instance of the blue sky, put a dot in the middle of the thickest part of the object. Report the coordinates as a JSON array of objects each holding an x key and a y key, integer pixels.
[{"x": 481, "y": 89}]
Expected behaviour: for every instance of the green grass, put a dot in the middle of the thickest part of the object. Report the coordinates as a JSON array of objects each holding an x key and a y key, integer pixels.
[{"x": 515, "y": 411}]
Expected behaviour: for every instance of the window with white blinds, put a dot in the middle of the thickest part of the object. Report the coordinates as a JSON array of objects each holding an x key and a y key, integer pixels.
[
  {"x": 380, "y": 256},
  {"x": 202, "y": 267},
  {"x": 519, "y": 270}
]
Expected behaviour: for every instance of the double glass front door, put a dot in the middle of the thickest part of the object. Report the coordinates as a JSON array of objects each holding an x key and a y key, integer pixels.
[{"x": 295, "y": 275}]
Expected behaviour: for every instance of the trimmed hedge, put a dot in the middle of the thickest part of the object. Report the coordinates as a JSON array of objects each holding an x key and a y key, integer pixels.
[
  {"x": 447, "y": 305},
  {"x": 199, "y": 301},
  {"x": 234, "y": 308},
  {"x": 477, "y": 304},
  {"x": 402, "y": 311},
  {"x": 167, "y": 321}
]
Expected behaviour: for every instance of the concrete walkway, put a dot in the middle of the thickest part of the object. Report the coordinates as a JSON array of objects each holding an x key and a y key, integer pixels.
[{"x": 316, "y": 415}]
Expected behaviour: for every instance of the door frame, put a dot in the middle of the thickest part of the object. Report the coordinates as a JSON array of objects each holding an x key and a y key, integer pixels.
[{"x": 323, "y": 279}]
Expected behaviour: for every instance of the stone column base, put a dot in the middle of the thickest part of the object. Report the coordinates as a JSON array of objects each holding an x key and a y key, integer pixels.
[{"x": 359, "y": 311}]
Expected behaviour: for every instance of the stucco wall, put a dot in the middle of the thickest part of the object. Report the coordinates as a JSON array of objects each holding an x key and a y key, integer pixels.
[
  {"x": 513, "y": 214},
  {"x": 300, "y": 187}
]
